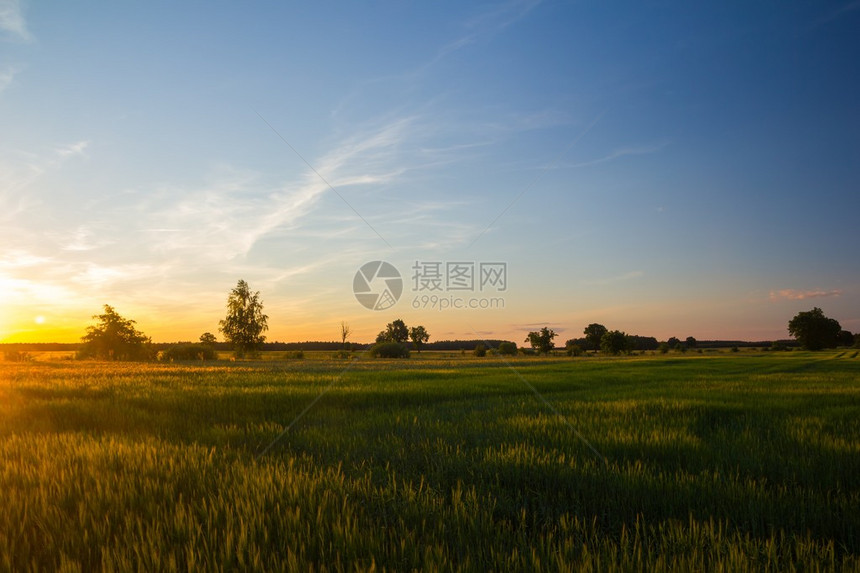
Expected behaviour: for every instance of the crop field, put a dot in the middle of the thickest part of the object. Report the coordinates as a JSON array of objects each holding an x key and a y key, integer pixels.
[{"x": 732, "y": 462}]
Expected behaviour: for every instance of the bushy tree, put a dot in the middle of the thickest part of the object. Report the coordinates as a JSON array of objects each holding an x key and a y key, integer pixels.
[
  {"x": 846, "y": 338},
  {"x": 614, "y": 342},
  {"x": 593, "y": 335},
  {"x": 691, "y": 342},
  {"x": 541, "y": 341},
  {"x": 115, "y": 338},
  {"x": 664, "y": 348},
  {"x": 395, "y": 331},
  {"x": 208, "y": 339},
  {"x": 245, "y": 322},
  {"x": 418, "y": 335},
  {"x": 480, "y": 350},
  {"x": 815, "y": 331}
]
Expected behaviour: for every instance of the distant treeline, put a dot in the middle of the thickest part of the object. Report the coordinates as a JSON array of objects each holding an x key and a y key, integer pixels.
[
  {"x": 639, "y": 343},
  {"x": 636, "y": 342}
]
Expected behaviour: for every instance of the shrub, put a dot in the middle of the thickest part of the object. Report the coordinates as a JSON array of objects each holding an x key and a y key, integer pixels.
[
  {"x": 296, "y": 355},
  {"x": 735, "y": 349},
  {"x": 507, "y": 348},
  {"x": 574, "y": 350},
  {"x": 16, "y": 356},
  {"x": 188, "y": 352},
  {"x": 341, "y": 355},
  {"x": 528, "y": 352},
  {"x": 480, "y": 350},
  {"x": 389, "y": 350},
  {"x": 664, "y": 348}
]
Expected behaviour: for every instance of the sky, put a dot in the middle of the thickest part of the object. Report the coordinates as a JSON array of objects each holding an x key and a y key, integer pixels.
[{"x": 662, "y": 168}]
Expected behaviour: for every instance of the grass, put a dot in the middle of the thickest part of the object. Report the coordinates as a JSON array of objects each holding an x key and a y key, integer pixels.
[{"x": 747, "y": 461}]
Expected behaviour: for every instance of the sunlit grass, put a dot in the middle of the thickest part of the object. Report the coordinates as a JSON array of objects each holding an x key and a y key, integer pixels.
[{"x": 711, "y": 461}]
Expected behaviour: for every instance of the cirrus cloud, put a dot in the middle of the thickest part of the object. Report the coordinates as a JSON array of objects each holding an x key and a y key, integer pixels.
[{"x": 792, "y": 294}]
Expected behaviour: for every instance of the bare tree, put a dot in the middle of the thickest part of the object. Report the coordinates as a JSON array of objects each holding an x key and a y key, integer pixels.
[{"x": 345, "y": 331}]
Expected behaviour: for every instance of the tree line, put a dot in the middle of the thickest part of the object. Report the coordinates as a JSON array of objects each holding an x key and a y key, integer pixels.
[{"x": 114, "y": 337}]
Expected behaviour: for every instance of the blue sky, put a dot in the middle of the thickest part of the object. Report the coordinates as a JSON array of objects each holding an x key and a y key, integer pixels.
[{"x": 661, "y": 168}]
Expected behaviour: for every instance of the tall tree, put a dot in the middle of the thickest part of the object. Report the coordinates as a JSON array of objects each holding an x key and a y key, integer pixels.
[
  {"x": 418, "y": 335},
  {"x": 815, "y": 331},
  {"x": 245, "y": 322},
  {"x": 541, "y": 341},
  {"x": 593, "y": 335},
  {"x": 114, "y": 338}
]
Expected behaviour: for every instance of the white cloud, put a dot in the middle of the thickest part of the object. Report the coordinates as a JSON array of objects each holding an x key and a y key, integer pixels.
[
  {"x": 72, "y": 149},
  {"x": 12, "y": 22}
]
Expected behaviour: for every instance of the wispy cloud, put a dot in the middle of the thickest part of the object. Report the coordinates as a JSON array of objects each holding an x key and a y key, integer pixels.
[
  {"x": 487, "y": 24},
  {"x": 19, "y": 170},
  {"x": 619, "y": 153},
  {"x": 12, "y": 22},
  {"x": 229, "y": 217},
  {"x": 791, "y": 294},
  {"x": 7, "y": 76},
  {"x": 73, "y": 149}
]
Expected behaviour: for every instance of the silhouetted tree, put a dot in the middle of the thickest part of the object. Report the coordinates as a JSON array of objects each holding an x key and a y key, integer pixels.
[
  {"x": 691, "y": 342},
  {"x": 480, "y": 350},
  {"x": 846, "y": 338},
  {"x": 673, "y": 343},
  {"x": 815, "y": 331},
  {"x": 614, "y": 342},
  {"x": 114, "y": 338},
  {"x": 208, "y": 338},
  {"x": 345, "y": 331},
  {"x": 245, "y": 322},
  {"x": 394, "y": 332},
  {"x": 594, "y": 334},
  {"x": 541, "y": 342},
  {"x": 418, "y": 335}
]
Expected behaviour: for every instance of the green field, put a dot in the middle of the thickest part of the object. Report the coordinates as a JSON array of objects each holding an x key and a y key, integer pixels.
[{"x": 709, "y": 462}]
